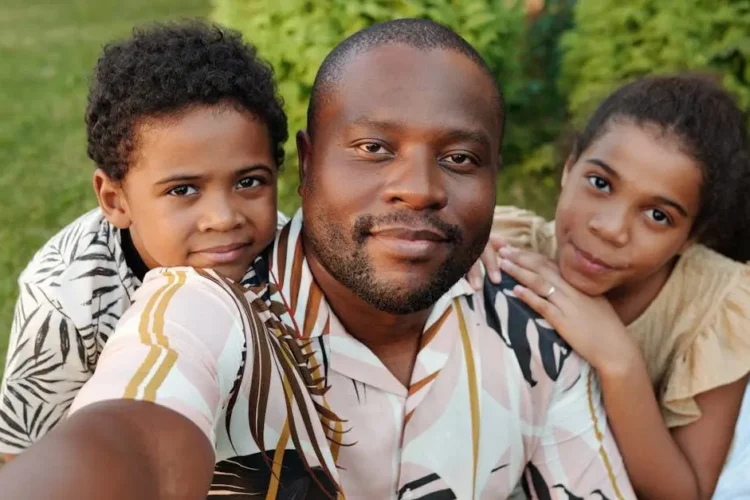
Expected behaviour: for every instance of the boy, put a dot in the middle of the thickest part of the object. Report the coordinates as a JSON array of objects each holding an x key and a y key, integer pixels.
[{"x": 187, "y": 134}]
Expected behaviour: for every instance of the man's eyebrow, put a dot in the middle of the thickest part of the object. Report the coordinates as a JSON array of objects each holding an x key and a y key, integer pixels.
[{"x": 452, "y": 134}]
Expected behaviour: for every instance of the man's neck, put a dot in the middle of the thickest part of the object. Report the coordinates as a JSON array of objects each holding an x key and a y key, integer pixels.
[{"x": 394, "y": 339}]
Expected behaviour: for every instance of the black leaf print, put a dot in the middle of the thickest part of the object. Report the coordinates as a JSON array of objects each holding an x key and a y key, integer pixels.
[
  {"x": 541, "y": 489},
  {"x": 571, "y": 496},
  {"x": 42, "y": 335},
  {"x": 35, "y": 420},
  {"x": 64, "y": 340},
  {"x": 82, "y": 353},
  {"x": 98, "y": 271},
  {"x": 106, "y": 309},
  {"x": 599, "y": 492},
  {"x": 93, "y": 256},
  {"x": 418, "y": 483},
  {"x": 99, "y": 292},
  {"x": 12, "y": 390},
  {"x": 11, "y": 423},
  {"x": 44, "y": 371}
]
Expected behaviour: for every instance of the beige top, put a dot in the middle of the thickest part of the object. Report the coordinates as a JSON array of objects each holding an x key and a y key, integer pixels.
[{"x": 695, "y": 335}]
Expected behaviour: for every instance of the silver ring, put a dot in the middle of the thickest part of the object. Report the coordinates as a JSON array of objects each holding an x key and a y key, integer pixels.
[{"x": 551, "y": 291}]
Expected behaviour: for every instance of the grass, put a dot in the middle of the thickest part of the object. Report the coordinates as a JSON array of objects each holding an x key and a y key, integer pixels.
[{"x": 47, "y": 51}]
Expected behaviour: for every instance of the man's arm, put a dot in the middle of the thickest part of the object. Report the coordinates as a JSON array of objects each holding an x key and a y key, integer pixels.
[
  {"x": 155, "y": 399},
  {"x": 120, "y": 449}
]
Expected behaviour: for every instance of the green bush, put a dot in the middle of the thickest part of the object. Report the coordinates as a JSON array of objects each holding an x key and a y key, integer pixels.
[
  {"x": 615, "y": 41},
  {"x": 295, "y": 36}
]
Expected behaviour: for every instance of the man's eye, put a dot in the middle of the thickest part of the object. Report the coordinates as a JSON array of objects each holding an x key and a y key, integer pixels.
[
  {"x": 372, "y": 148},
  {"x": 460, "y": 159},
  {"x": 248, "y": 182},
  {"x": 183, "y": 190},
  {"x": 600, "y": 183}
]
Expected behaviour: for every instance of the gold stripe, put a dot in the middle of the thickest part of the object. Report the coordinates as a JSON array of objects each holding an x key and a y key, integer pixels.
[
  {"x": 600, "y": 437},
  {"x": 131, "y": 390},
  {"x": 473, "y": 391},
  {"x": 149, "y": 394},
  {"x": 278, "y": 459}
]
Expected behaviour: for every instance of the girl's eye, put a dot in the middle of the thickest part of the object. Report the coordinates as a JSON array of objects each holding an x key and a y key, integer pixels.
[
  {"x": 658, "y": 216},
  {"x": 183, "y": 190},
  {"x": 248, "y": 182},
  {"x": 600, "y": 183},
  {"x": 372, "y": 148}
]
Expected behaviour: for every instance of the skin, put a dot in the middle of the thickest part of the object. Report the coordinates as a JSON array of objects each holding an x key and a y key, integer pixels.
[
  {"x": 415, "y": 155},
  {"x": 629, "y": 201},
  {"x": 158, "y": 454},
  {"x": 201, "y": 191}
]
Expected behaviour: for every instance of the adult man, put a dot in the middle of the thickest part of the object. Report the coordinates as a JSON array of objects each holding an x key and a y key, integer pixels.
[{"x": 388, "y": 377}]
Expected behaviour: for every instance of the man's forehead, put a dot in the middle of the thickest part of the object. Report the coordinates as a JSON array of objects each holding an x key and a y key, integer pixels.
[{"x": 399, "y": 83}]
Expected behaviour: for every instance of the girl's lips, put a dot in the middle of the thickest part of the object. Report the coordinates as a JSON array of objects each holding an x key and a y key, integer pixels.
[{"x": 589, "y": 264}]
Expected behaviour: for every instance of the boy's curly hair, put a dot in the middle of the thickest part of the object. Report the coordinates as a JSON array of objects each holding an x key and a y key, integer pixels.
[{"x": 164, "y": 69}]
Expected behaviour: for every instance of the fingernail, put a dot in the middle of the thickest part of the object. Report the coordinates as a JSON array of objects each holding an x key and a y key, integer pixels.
[
  {"x": 495, "y": 276},
  {"x": 506, "y": 251}
]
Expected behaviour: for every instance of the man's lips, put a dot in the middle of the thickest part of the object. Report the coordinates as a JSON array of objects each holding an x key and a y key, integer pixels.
[{"x": 409, "y": 243}]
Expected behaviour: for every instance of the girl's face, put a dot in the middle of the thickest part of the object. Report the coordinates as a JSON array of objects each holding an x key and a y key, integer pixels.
[{"x": 626, "y": 209}]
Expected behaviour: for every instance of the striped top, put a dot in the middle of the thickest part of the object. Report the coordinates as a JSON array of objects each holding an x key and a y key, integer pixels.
[{"x": 495, "y": 396}]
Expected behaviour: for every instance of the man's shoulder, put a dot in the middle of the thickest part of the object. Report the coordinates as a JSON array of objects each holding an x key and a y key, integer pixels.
[{"x": 538, "y": 348}]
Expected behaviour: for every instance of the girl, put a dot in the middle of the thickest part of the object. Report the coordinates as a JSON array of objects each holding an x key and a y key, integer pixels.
[{"x": 643, "y": 273}]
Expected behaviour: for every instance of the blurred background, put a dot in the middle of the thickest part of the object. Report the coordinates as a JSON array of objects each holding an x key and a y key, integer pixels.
[{"x": 555, "y": 60}]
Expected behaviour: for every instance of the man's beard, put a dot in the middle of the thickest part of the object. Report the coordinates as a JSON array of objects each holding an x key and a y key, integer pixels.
[{"x": 346, "y": 259}]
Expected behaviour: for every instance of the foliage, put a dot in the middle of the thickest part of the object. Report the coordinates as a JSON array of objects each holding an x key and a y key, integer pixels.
[{"x": 614, "y": 42}]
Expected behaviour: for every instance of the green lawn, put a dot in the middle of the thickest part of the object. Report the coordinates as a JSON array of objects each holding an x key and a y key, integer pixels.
[{"x": 47, "y": 51}]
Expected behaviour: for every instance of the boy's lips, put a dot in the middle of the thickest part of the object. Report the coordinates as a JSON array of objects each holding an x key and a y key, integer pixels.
[{"x": 224, "y": 254}]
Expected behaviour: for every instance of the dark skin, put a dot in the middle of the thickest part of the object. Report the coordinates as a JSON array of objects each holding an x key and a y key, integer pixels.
[
  {"x": 429, "y": 168},
  {"x": 427, "y": 149}
]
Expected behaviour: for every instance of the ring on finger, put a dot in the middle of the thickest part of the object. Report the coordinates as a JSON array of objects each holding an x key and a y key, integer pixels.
[{"x": 552, "y": 290}]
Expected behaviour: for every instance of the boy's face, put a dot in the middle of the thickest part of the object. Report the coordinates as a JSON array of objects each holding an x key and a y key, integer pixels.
[{"x": 201, "y": 190}]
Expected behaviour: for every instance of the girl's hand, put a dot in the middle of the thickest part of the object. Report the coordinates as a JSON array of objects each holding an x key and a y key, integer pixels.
[
  {"x": 491, "y": 262},
  {"x": 589, "y": 324}
]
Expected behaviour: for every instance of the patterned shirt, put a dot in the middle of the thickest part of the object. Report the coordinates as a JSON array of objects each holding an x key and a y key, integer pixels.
[
  {"x": 72, "y": 294},
  {"x": 495, "y": 394}
]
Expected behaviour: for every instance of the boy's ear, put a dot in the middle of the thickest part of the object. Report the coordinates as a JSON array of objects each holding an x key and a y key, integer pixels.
[
  {"x": 566, "y": 170},
  {"x": 111, "y": 199},
  {"x": 304, "y": 148}
]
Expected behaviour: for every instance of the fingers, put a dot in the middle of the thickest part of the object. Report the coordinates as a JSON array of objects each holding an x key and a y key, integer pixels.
[
  {"x": 545, "y": 308},
  {"x": 491, "y": 263},
  {"x": 530, "y": 279},
  {"x": 475, "y": 276}
]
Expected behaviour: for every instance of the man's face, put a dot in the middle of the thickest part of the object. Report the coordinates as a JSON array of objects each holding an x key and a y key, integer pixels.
[{"x": 398, "y": 185}]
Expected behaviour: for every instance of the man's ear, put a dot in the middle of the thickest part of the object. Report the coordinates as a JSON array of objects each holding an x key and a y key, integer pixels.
[
  {"x": 111, "y": 198},
  {"x": 304, "y": 150},
  {"x": 566, "y": 170}
]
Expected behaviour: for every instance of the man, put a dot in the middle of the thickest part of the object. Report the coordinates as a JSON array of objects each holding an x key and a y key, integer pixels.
[{"x": 387, "y": 376}]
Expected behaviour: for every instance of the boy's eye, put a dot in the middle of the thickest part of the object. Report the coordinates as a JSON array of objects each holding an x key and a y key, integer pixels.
[
  {"x": 183, "y": 190},
  {"x": 248, "y": 182},
  {"x": 658, "y": 216},
  {"x": 600, "y": 183}
]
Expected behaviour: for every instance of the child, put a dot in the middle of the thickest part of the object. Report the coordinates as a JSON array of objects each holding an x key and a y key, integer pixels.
[
  {"x": 186, "y": 131},
  {"x": 648, "y": 280}
]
